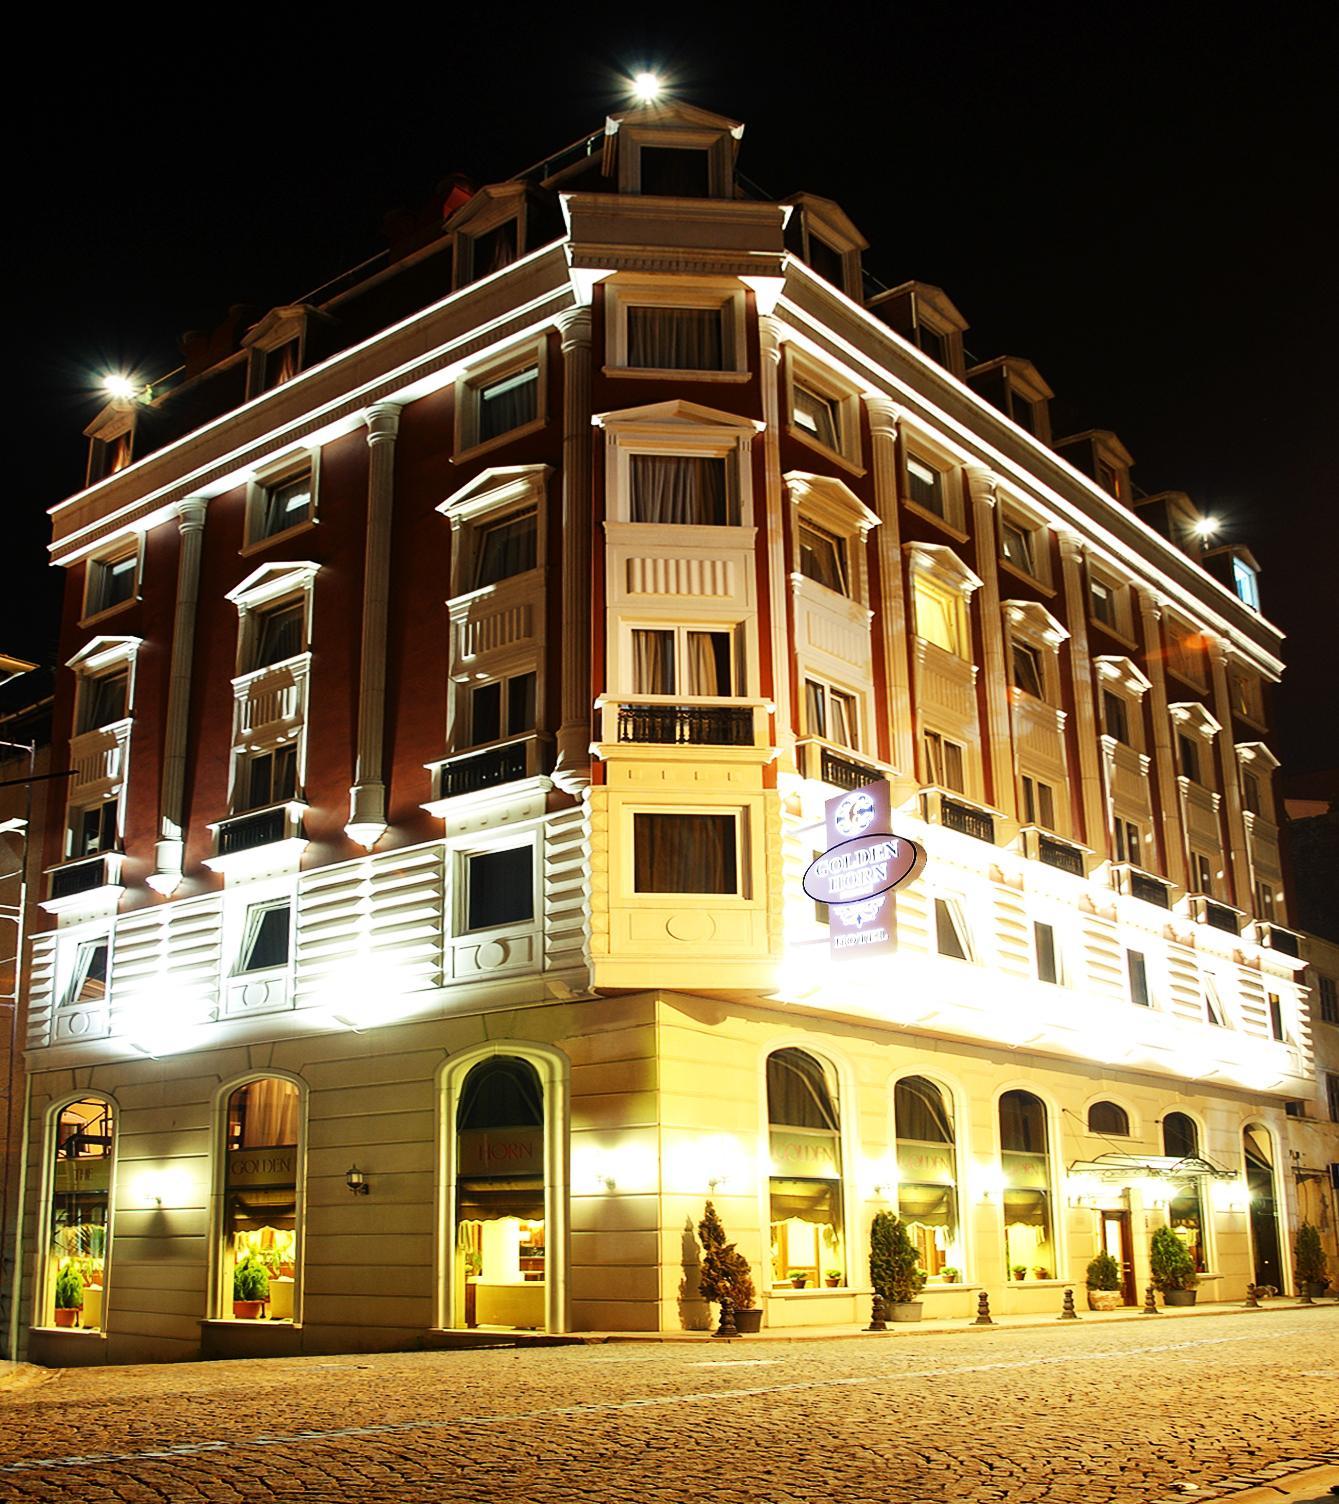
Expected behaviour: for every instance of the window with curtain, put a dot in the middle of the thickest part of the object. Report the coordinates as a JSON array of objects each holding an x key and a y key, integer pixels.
[
  {"x": 831, "y": 714},
  {"x": 675, "y": 171},
  {"x": 499, "y": 887},
  {"x": 940, "y": 616},
  {"x": 265, "y": 937},
  {"x": 103, "y": 700},
  {"x": 509, "y": 402},
  {"x": 278, "y": 634},
  {"x": 685, "y": 853},
  {"x": 280, "y": 364},
  {"x": 260, "y": 1202},
  {"x": 1181, "y": 1140},
  {"x": 684, "y": 490},
  {"x": 695, "y": 663},
  {"x": 88, "y": 977},
  {"x": 806, "y": 1181},
  {"x": 83, "y": 1136},
  {"x": 494, "y": 249},
  {"x": 506, "y": 547},
  {"x": 926, "y": 485},
  {"x": 944, "y": 762},
  {"x": 823, "y": 558},
  {"x": 926, "y": 1171},
  {"x": 1025, "y": 1161},
  {"x": 817, "y": 415},
  {"x": 667, "y": 338},
  {"x": 285, "y": 505}
]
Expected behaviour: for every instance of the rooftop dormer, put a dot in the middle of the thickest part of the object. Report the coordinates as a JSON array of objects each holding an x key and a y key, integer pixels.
[
  {"x": 1176, "y": 518},
  {"x": 1235, "y": 566},
  {"x": 111, "y": 438},
  {"x": 498, "y": 225},
  {"x": 672, "y": 150},
  {"x": 280, "y": 346},
  {"x": 926, "y": 316},
  {"x": 822, "y": 236},
  {"x": 1016, "y": 387},
  {"x": 1101, "y": 456}
]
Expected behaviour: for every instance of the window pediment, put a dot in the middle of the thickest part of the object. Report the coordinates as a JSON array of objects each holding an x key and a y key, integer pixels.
[
  {"x": 1257, "y": 756},
  {"x": 1031, "y": 619},
  {"x": 656, "y": 419},
  {"x": 271, "y": 581},
  {"x": 831, "y": 502},
  {"x": 497, "y": 487},
  {"x": 940, "y": 562},
  {"x": 1122, "y": 673},
  {"x": 1190, "y": 715},
  {"x": 104, "y": 653},
  {"x": 280, "y": 325}
]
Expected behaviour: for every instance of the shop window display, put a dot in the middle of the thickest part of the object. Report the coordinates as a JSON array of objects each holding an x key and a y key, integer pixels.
[
  {"x": 1029, "y": 1246},
  {"x": 260, "y": 1229},
  {"x": 806, "y": 1189},
  {"x": 500, "y": 1241},
  {"x": 80, "y": 1194},
  {"x": 927, "y": 1199},
  {"x": 1185, "y": 1213}
]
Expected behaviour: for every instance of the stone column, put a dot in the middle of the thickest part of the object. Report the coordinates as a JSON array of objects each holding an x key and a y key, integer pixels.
[
  {"x": 773, "y": 527},
  {"x": 572, "y": 770},
  {"x": 1087, "y": 729},
  {"x": 169, "y": 852},
  {"x": 998, "y": 740},
  {"x": 893, "y": 607},
  {"x": 1239, "y": 852},
  {"x": 367, "y": 798},
  {"x": 1169, "y": 791}
]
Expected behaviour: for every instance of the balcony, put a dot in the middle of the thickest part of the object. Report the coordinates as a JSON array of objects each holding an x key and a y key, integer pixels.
[
  {"x": 835, "y": 766},
  {"x": 481, "y": 770},
  {"x": 686, "y": 725},
  {"x": 78, "y": 877},
  {"x": 1219, "y": 916},
  {"x": 1142, "y": 885},
  {"x": 259, "y": 839},
  {"x": 1060, "y": 854},
  {"x": 1281, "y": 940},
  {"x": 87, "y": 883},
  {"x": 971, "y": 822}
]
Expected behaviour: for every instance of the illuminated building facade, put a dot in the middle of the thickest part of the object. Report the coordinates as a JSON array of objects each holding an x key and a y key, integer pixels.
[{"x": 458, "y": 667}]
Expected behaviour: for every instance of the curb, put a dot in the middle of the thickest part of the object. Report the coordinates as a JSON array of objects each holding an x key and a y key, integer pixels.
[
  {"x": 16, "y": 1376},
  {"x": 1311, "y": 1480}
]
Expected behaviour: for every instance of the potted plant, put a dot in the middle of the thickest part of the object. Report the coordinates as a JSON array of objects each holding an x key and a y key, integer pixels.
[
  {"x": 1020, "y": 1271},
  {"x": 1172, "y": 1269},
  {"x": 833, "y": 1278},
  {"x": 726, "y": 1277},
  {"x": 250, "y": 1289},
  {"x": 950, "y": 1275},
  {"x": 798, "y": 1278},
  {"x": 1310, "y": 1262},
  {"x": 1041, "y": 1272},
  {"x": 895, "y": 1268},
  {"x": 69, "y": 1296},
  {"x": 1104, "y": 1291}
]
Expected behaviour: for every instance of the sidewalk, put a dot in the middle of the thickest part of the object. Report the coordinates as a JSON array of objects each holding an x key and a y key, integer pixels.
[{"x": 22, "y": 1375}]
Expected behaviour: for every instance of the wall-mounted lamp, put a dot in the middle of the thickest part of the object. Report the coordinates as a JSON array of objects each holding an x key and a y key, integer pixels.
[{"x": 356, "y": 1181}]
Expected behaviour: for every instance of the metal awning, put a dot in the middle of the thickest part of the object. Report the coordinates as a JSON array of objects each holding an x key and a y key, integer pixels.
[{"x": 1120, "y": 1167}]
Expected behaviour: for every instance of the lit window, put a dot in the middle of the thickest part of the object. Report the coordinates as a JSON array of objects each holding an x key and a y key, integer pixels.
[
  {"x": 502, "y": 708},
  {"x": 830, "y": 713},
  {"x": 1028, "y": 674},
  {"x": 269, "y": 778},
  {"x": 823, "y": 558},
  {"x": 265, "y": 937},
  {"x": 88, "y": 979},
  {"x": 683, "y": 853},
  {"x": 1025, "y": 1161},
  {"x": 1246, "y": 583},
  {"x": 278, "y": 634},
  {"x": 672, "y": 338},
  {"x": 951, "y": 937},
  {"x": 505, "y": 548},
  {"x": 102, "y": 701},
  {"x": 1136, "y": 969},
  {"x": 818, "y": 416},
  {"x": 111, "y": 582},
  {"x": 1115, "y": 721},
  {"x": 940, "y": 616},
  {"x": 81, "y": 1192},
  {"x": 1048, "y": 957},
  {"x": 692, "y": 662},
  {"x": 943, "y": 762},
  {"x": 805, "y": 1201},
  {"x": 279, "y": 365},
  {"x": 93, "y": 829},
  {"x": 1038, "y": 802},
  {"x": 260, "y": 1202},
  {"x": 1103, "y": 600},
  {"x": 507, "y": 403},
  {"x": 1016, "y": 544},
  {"x": 499, "y": 887},
  {"x": 284, "y": 505},
  {"x": 925, "y": 485},
  {"x": 682, "y": 490}
]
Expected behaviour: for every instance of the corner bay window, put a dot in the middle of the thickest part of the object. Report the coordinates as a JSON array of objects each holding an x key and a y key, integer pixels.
[
  {"x": 499, "y": 888},
  {"x": 1025, "y": 1160},
  {"x": 505, "y": 548},
  {"x": 941, "y": 616},
  {"x": 806, "y": 1181},
  {"x": 269, "y": 778},
  {"x": 685, "y": 853},
  {"x": 669, "y": 338},
  {"x": 823, "y": 558},
  {"x": 926, "y": 1180},
  {"x": 1028, "y": 673},
  {"x": 682, "y": 661},
  {"x": 81, "y": 1187},
  {"x": 260, "y": 1202},
  {"x": 830, "y": 713},
  {"x": 683, "y": 490},
  {"x": 503, "y": 708}
]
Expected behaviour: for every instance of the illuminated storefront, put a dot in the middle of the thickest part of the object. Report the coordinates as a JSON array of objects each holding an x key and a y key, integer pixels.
[
  {"x": 927, "y": 1197},
  {"x": 806, "y": 1182},
  {"x": 1025, "y": 1161},
  {"x": 81, "y": 1188},
  {"x": 260, "y": 1203}
]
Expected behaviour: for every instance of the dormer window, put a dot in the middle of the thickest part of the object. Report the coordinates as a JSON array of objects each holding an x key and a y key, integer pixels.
[
  {"x": 279, "y": 365},
  {"x": 933, "y": 343},
  {"x": 277, "y": 346},
  {"x": 672, "y": 150},
  {"x": 675, "y": 172},
  {"x": 1023, "y": 411},
  {"x": 494, "y": 249},
  {"x": 1246, "y": 582},
  {"x": 109, "y": 455}
]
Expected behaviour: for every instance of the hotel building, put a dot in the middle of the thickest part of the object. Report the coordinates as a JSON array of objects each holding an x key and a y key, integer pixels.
[{"x": 456, "y": 668}]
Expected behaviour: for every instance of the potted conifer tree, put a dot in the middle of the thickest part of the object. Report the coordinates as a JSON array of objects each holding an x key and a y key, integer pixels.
[
  {"x": 1310, "y": 1262},
  {"x": 895, "y": 1268},
  {"x": 1172, "y": 1269},
  {"x": 1104, "y": 1291},
  {"x": 69, "y": 1296},
  {"x": 250, "y": 1289},
  {"x": 726, "y": 1277}
]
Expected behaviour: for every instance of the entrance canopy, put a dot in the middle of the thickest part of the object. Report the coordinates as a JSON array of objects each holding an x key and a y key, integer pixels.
[{"x": 1122, "y": 1167}]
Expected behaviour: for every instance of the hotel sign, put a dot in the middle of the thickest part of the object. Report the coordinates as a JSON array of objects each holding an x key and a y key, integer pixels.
[
  {"x": 500, "y": 1151},
  {"x": 856, "y": 875},
  {"x": 91, "y": 1175},
  {"x": 275, "y": 1166}
]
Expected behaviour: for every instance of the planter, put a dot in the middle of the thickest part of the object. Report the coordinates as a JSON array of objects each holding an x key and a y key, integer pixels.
[
  {"x": 906, "y": 1310},
  {"x": 798, "y": 1284},
  {"x": 1315, "y": 1288},
  {"x": 833, "y": 1281},
  {"x": 248, "y": 1310},
  {"x": 67, "y": 1315},
  {"x": 1179, "y": 1297},
  {"x": 1105, "y": 1300},
  {"x": 748, "y": 1322}
]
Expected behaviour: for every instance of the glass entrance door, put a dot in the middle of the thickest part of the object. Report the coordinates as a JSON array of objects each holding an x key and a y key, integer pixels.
[{"x": 1117, "y": 1241}]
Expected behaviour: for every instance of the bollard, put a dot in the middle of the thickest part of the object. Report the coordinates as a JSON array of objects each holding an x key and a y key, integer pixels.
[
  {"x": 1150, "y": 1303},
  {"x": 1067, "y": 1311},
  {"x": 1305, "y": 1298},
  {"x": 1251, "y": 1303},
  {"x": 877, "y": 1315},
  {"x": 727, "y": 1327},
  {"x": 983, "y": 1317}
]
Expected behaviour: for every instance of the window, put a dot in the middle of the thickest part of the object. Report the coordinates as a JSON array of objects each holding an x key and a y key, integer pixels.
[
  {"x": 1203, "y": 872},
  {"x": 1181, "y": 1140},
  {"x": 941, "y": 617},
  {"x": 1329, "y": 999},
  {"x": 1018, "y": 545},
  {"x": 102, "y": 700},
  {"x": 1276, "y": 1028},
  {"x": 509, "y": 402},
  {"x": 826, "y": 260},
  {"x": 1332, "y": 1095},
  {"x": 932, "y": 343},
  {"x": 1109, "y": 1119},
  {"x": 667, "y": 337},
  {"x": 817, "y": 415},
  {"x": 1180, "y": 1137},
  {"x": 1246, "y": 582},
  {"x": 279, "y": 365},
  {"x": 1213, "y": 1004},
  {"x": 265, "y": 937},
  {"x": 805, "y": 1185},
  {"x": 260, "y": 1201},
  {"x": 88, "y": 979},
  {"x": 494, "y": 249},
  {"x": 951, "y": 937},
  {"x": 278, "y": 633},
  {"x": 681, "y": 853},
  {"x": 823, "y": 558},
  {"x": 1028, "y": 672},
  {"x": 269, "y": 778},
  {"x": 110, "y": 583},
  {"x": 284, "y": 505},
  {"x": 1264, "y": 902},
  {"x": 1025, "y": 1162},
  {"x": 943, "y": 762},
  {"x": 1109, "y": 480},
  {"x": 1024, "y": 411},
  {"x": 93, "y": 828},
  {"x": 684, "y": 490},
  {"x": 107, "y": 456},
  {"x": 675, "y": 172},
  {"x": 502, "y": 708},
  {"x": 926, "y": 486},
  {"x": 506, "y": 548},
  {"x": 1038, "y": 802},
  {"x": 1129, "y": 845},
  {"x": 1103, "y": 601},
  {"x": 1247, "y": 696},
  {"x": 1136, "y": 970},
  {"x": 1188, "y": 753},
  {"x": 1048, "y": 957},
  {"x": 499, "y": 887},
  {"x": 831, "y": 713},
  {"x": 81, "y": 1188},
  {"x": 1250, "y": 793},
  {"x": 926, "y": 1171},
  {"x": 693, "y": 662},
  {"x": 1115, "y": 717}
]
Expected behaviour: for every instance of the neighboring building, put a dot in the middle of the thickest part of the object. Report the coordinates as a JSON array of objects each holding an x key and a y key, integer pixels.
[
  {"x": 457, "y": 673},
  {"x": 1313, "y": 1125},
  {"x": 1311, "y": 849}
]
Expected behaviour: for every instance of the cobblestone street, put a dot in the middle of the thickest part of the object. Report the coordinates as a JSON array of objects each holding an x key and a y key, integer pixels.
[{"x": 1091, "y": 1413}]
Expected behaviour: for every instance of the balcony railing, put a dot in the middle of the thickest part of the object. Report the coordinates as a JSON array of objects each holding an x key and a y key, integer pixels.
[
  {"x": 482, "y": 770},
  {"x": 247, "y": 832},
  {"x": 686, "y": 725},
  {"x": 1283, "y": 941},
  {"x": 1150, "y": 889},
  {"x": 1221, "y": 917},
  {"x": 971, "y": 822},
  {"x": 78, "y": 877},
  {"x": 844, "y": 772},
  {"x": 1060, "y": 854}
]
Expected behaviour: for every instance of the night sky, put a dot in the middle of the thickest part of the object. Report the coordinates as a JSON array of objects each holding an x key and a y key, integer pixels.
[{"x": 1140, "y": 201}]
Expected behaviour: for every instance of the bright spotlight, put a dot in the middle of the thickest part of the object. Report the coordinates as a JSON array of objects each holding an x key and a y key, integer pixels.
[
  {"x": 646, "y": 86},
  {"x": 1205, "y": 527},
  {"x": 122, "y": 388}
]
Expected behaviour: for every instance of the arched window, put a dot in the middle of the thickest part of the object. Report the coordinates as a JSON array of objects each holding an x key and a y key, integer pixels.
[
  {"x": 1029, "y": 1247},
  {"x": 260, "y": 1200},
  {"x": 1185, "y": 1210},
  {"x": 500, "y": 1218},
  {"x": 83, "y": 1138},
  {"x": 1257, "y": 1149},
  {"x": 926, "y": 1171},
  {"x": 806, "y": 1188},
  {"x": 1180, "y": 1137},
  {"x": 1110, "y": 1119}
]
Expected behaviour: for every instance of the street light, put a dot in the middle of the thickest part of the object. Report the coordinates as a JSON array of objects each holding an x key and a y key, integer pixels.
[{"x": 646, "y": 86}]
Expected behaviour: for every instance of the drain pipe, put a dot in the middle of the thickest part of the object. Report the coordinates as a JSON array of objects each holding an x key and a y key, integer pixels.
[{"x": 16, "y": 1279}]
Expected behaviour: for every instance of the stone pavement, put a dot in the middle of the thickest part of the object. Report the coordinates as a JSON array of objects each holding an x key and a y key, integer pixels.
[{"x": 1078, "y": 1413}]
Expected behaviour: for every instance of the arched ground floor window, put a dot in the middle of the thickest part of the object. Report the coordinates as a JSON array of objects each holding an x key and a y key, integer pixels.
[
  {"x": 1025, "y": 1160},
  {"x": 261, "y": 1201},
  {"x": 74, "y": 1279},
  {"x": 805, "y": 1187},
  {"x": 1258, "y": 1150},
  {"x": 927, "y": 1199}
]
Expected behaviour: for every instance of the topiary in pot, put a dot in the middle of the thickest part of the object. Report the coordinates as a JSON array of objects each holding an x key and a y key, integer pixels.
[
  {"x": 1310, "y": 1264},
  {"x": 250, "y": 1289},
  {"x": 69, "y": 1296},
  {"x": 1104, "y": 1283},
  {"x": 895, "y": 1267},
  {"x": 1172, "y": 1269},
  {"x": 726, "y": 1277}
]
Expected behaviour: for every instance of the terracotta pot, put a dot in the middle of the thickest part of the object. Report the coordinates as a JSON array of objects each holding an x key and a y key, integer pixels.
[
  {"x": 248, "y": 1310},
  {"x": 748, "y": 1321},
  {"x": 833, "y": 1282},
  {"x": 906, "y": 1310},
  {"x": 1105, "y": 1300},
  {"x": 67, "y": 1315},
  {"x": 1179, "y": 1297},
  {"x": 286, "y": 1271},
  {"x": 799, "y": 1284}
]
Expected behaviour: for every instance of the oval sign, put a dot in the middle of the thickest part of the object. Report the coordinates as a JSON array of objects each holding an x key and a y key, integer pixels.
[{"x": 862, "y": 868}]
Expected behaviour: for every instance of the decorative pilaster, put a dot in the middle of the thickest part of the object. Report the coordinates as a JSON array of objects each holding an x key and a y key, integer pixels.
[
  {"x": 1239, "y": 853},
  {"x": 1087, "y": 730},
  {"x": 367, "y": 798},
  {"x": 998, "y": 740},
  {"x": 893, "y": 607},
  {"x": 169, "y": 852},
  {"x": 1169, "y": 791},
  {"x": 774, "y": 522},
  {"x": 572, "y": 770}
]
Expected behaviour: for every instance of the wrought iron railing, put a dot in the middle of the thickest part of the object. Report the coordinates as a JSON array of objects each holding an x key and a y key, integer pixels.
[
  {"x": 1150, "y": 889},
  {"x": 1283, "y": 941},
  {"x": 482, "y": 770},
  {"x": 686, "y": 725},
  {"x": 971, "y": 822},
  {"x": 1060, "y": 854},
  {"x": 246, "y": 832},
  {"x": 845, "y": 772},
  {"x": 80, "y": 877},
  {"x": 1221, "y": 917}
]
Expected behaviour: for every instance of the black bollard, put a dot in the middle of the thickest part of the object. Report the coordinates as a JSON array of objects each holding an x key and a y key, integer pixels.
[
  {"x": 1150, "y": 1303},
  {"x": 877, "y": 1322},
  {"x": 1067, "y": 1311},
  {"x": 1305, "y": 1298},
  {"x": 1251, "y": 1303},
  {"x": 983, "y": 1317},
  {"x": 727, "y": 1326}
]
